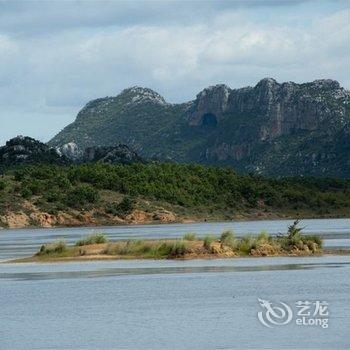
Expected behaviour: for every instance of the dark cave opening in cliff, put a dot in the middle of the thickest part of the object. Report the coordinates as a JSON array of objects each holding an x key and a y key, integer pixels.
[{"x": 209, "y": 119}]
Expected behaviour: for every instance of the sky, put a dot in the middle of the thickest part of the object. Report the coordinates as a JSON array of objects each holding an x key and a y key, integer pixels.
[{"x": 56, "y": 56}]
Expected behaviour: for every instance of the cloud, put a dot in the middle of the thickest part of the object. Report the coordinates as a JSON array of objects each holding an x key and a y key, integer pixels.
[
  {"x": 35, "y": 17},
  {"x": 54, "y": 57}
]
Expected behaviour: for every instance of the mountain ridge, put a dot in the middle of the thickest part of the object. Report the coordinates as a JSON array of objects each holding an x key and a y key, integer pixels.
[{"x": 275, "y": 129}]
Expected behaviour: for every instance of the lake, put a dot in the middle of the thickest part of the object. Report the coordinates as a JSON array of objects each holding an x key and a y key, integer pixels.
[{"x": 199, "y": 304}]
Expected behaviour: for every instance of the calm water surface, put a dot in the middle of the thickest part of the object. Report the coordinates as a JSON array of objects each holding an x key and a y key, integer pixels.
[{"x": 201, "y": 304}]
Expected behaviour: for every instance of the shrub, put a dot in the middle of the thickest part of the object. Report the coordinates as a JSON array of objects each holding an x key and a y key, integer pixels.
[
  {"x": 124, "y": 207},
  {"x": 112, "y": 208},
  {"x": 162, "y": 250},
  {"x": 19, "y": 174},
  {"x": 179, "y": 248},
  {"x": 315, "y": 239},
  {"x": 246, "y": 244},
  {"x": 228, "y": 238},
  {"x": 2, "y": 185},
  {"x": 208, "y": 240},
  {"x": 82, "y": 195},
  {"x": 54, "y": 196},
  {"x": 62, "y": 182},
  {"x": 294, "y": 231},
  {"x": 26, "y": 192},
  {"x": 32, "y": 187},
  {"x": 190, "y": 236},
  {"x": 97, "y": 238},
  {"x": 52, "y": 248},
  {"x": 35, "y": 186},
  {"x": 293, "y": 237},
  {"x": 263, "y": 236}
]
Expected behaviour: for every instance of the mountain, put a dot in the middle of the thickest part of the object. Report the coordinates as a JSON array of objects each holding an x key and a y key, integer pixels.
[
  {"x": 273, "y": 129},
  {"x": 25, "y": 150}
]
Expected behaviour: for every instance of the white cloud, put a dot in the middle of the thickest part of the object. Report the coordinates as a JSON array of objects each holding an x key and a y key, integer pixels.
[{"x": 53, "y": 74}]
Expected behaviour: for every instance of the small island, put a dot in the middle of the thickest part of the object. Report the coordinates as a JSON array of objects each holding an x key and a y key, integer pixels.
[{"x": 97, "y": 247}]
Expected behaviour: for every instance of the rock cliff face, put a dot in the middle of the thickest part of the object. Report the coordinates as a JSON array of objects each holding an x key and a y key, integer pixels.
[
  {"x": 282, "y": 108},
  {"x": 25, "y": 150},
  {"x": 271, "y": 128}
]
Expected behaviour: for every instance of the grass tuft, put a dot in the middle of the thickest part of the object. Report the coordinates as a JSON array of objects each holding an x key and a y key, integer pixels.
[
  {"x": 246, "y": 244},
  {"x": 190, "y": 236},
  {"x": 97, "y": 238},
  {"x": 227, "y": 238},
  {"x": 208, "y": 240},
  {"x": 56, "y": 247}
]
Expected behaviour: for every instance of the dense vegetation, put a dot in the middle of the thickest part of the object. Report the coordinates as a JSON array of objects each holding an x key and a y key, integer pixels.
[{"x": 189, "y": 186}]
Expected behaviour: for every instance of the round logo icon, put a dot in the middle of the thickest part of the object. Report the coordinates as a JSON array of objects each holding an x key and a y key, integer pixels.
[{"x": 274, "y": 314}]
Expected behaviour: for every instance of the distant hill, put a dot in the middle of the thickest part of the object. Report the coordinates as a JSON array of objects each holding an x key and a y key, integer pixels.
[
  {"x": 272, "y": 129},
  {"x": 26, "y": 150}
]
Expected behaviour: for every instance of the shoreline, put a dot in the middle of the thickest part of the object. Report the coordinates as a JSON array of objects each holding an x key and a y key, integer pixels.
[
  {"x": 176, "y": 222},
  {"x": 94, "y": 258}
]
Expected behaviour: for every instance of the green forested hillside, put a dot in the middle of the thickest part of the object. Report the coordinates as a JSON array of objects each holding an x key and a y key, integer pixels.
[{"x": 185, "y": 187}]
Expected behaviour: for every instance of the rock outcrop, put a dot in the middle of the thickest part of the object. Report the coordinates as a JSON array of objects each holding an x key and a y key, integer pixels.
[
  {"x": 26, "y": 150},
  {"x": 70, "y": 150},
  {"x": 34, "y": 217},
  {"x": 14, "y": 220},
  {"x": 137, "y": 94},
  {"x": 120, "y": 154}
]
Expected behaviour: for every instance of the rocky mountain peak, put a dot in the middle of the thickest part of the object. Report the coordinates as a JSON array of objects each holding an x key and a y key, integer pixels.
[
  {"x": 213, "y": 90},
  {"x": 326, "y": 84},
  {"x": 267, "y": 83},
  {"x": 267, "y": 88},
  {"x": 209, "y": 104},
  {"x": 137, "y": 94}
]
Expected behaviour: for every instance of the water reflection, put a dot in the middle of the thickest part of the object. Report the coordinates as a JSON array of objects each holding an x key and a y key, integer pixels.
[{"x": 121, "y": 271}]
